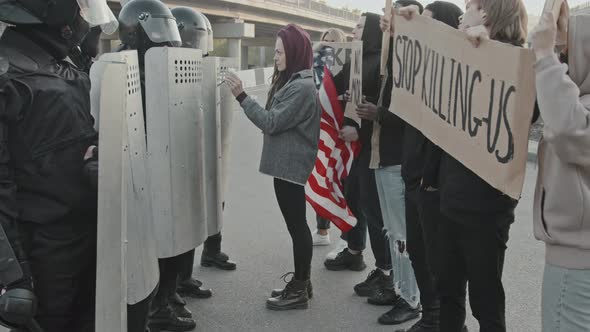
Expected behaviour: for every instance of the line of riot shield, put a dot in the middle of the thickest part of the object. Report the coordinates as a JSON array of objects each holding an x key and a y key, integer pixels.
[{"x": 176, "y": 148}]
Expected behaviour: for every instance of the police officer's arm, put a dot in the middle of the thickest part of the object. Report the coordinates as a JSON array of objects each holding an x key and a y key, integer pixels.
[{"x": 9, "y": 102}]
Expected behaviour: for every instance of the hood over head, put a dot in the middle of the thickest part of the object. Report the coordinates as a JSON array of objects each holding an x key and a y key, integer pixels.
[{"x": 372, "y": 34}]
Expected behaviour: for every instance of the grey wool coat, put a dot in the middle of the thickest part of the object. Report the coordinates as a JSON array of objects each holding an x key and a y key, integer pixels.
[{"x": 291, "y": 129}]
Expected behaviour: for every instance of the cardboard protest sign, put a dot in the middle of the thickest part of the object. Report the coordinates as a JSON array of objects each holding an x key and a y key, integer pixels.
[
  {"x": 342, "y": 53},
  {"x": 475, "y": 103},
  {"x": 349, "y": 53},
  {"x": 356, "y": 85}
]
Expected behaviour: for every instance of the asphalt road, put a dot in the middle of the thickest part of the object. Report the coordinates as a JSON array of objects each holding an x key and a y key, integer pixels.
[{"x": 255, "y": 236}]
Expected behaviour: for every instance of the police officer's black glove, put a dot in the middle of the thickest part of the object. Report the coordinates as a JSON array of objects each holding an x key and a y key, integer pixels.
[{"x": 91, "y": 168}]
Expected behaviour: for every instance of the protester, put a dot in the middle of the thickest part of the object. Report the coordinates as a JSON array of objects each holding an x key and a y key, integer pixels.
[
  {"x": 48, "y": 207},
  {"x": 420, "y": 170},
  {"x": 561, "y": 210},
  {"x": 291, "y": 125},
  {"x": 320, "y": 236},
  {"x": 369, "y": 211},
  {"x": 386, "y": 158},
  {"x": 478, "y": 217}
]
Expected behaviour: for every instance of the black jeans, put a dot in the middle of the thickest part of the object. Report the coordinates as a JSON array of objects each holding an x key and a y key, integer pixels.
[
  {"x": 370, "y": 214},
  {"x": 62, "y": 256},
  {"x": 472, "y": 255},
  {"x": 422, "y": 220},
  {"x": 322, "y": 223},
  {"x": 187, "y": 261},
  {"x": 291, "y": 199},
  {"x": 213, "y": 244}
]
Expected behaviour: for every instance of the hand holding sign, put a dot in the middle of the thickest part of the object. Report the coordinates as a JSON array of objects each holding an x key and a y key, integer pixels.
[
  {"x": 409, "y": 12},
  {"x": 543, "y": 36},
  {"x": 560, "y": 11},
  {"x": 477, "y": 34}
]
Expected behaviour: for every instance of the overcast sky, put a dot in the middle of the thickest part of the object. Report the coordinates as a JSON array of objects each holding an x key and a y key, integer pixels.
[{"x": 534, "y": 7}]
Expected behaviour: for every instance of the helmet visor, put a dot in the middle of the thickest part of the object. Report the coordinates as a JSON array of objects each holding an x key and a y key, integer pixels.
[
  {"x": 194, "y": 39},
  {"x": 160, "y": 29},
  {"x": 98, "y": 13}
]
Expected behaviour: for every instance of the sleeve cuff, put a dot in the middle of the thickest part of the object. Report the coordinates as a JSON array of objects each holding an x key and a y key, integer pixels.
[
  {"x": 546, "y": 62},
  {"x": 241, "y": 97}
]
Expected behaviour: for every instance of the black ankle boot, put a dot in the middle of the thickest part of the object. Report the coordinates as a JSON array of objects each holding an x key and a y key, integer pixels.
[
  {"x": 278, "y": 292},
  {"x": 218, "y": 260},
  {"x": 192, "y": 288},
  {"x": 166, "y": 319},
  {"x": 294, "y": 296}
]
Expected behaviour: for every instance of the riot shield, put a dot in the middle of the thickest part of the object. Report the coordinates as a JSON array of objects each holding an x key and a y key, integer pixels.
[
  {"x": 175, "y": 135},
  {"x": 111, "y": 279},
  {"x": 126, "y": 124},
  {"x": 226, "y": 106},
  {"x": 142, "y": 264},
  {"x": 218, "y": 113}
]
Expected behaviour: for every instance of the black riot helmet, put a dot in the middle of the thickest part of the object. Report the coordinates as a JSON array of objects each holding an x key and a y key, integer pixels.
[
  {"x": 144, "y": 24},
  {"x": 192, "y": 27},
  {"x": 58, "y": 13}
]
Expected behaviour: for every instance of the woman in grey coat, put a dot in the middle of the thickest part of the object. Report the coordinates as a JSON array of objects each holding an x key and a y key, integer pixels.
[{"x": 291, "y": 126}]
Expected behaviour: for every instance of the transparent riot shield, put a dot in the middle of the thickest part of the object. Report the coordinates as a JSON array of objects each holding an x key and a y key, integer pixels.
[{"x": 175, "y": 131}]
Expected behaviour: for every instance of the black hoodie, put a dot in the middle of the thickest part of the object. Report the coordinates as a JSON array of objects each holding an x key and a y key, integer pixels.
[{"x": 372, "y": 38}]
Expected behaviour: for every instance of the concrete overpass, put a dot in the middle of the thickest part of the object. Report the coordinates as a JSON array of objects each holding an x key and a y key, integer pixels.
[
  {"x": 583, "y": 9},
  {"x": 247, "y": 28}
]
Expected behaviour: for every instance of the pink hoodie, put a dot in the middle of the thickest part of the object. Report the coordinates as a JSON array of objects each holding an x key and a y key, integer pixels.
[{"x": 562, "y": 196}]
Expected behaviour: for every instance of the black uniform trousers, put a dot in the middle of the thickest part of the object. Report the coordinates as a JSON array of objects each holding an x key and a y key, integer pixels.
[{"x": 62, "y": 255}]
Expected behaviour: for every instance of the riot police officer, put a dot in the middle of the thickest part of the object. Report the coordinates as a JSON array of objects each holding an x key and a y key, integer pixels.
[
  {"x": 145, "y": 24},
  {"x": 192, "y": 26},
  {"x": 47, "y": 204}
]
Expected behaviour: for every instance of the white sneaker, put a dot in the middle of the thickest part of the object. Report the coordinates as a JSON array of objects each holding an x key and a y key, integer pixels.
[
  {"x": 320, "y": 240},
  {"x": 341, "y": 245}
]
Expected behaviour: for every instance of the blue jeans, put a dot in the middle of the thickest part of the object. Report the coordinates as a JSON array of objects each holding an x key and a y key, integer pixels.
[
  {"x": 566, "y": 300},
  {"x": 391, "y": 188}
]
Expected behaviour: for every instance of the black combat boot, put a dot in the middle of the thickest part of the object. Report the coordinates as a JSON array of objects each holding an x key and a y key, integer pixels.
[
  {"x": 178, "y": 304},
  {"x": 165, "y": 319},
  {"x": 192, "y": 288},
  {"x": 294, "y": 296},
  {"x": 218, "y": 260},
  {"x": 278, "y": 292}
]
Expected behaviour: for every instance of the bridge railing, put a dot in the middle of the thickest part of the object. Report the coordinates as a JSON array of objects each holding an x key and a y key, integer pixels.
[
  {"x": 581, "y": 7},
  {"x": 318, "y": 7}
]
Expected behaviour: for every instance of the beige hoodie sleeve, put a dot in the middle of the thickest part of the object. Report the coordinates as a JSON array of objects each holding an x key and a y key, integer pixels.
[{"x": 567, "y": 120}]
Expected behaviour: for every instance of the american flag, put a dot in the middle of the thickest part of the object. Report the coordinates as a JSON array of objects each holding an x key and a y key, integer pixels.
[{"x": 324, "y": 189}]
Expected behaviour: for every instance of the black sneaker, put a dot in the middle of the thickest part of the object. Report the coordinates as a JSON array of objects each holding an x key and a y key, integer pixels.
[
  {"x": 383, "y": 296},
  {"x": 345, "y": 261},
  {"x": 367, "y": 287},
  {"x": 167, "y": 320},
  {"x": 400, "y": 313}
]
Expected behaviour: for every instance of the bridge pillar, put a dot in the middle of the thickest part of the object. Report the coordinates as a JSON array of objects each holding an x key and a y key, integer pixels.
[{"x": 234, "y": 33}]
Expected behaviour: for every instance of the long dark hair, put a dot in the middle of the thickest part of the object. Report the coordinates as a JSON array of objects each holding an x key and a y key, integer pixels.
[{"x": 299, "y": 56}]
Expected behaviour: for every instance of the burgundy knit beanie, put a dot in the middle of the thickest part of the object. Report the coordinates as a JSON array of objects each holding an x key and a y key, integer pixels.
[{"x": 297, "y": 48}]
